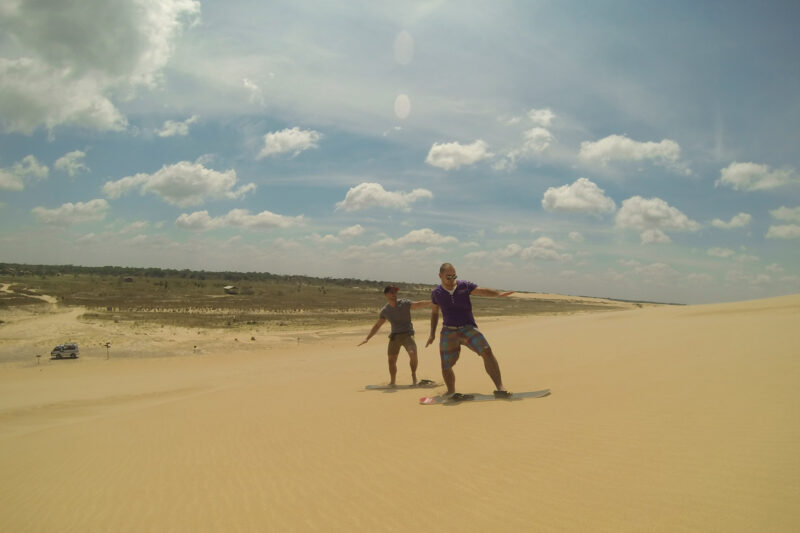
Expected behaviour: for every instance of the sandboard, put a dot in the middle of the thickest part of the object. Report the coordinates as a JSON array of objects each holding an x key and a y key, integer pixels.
[
  {"x": 423, "y": 384},
  {"x": 446, "y": 400}
]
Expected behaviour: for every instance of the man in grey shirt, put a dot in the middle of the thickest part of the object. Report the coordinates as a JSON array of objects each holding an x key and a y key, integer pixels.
[{"x": 398, "y": 313}]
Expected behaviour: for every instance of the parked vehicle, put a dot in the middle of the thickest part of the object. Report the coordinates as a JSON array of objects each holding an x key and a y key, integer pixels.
[{"x": 65, "y": 350}]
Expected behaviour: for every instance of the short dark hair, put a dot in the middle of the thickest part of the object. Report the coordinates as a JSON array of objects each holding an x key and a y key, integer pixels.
[
  {"x": 390, "y": 288},
  {"x": 445, "y": 266}
]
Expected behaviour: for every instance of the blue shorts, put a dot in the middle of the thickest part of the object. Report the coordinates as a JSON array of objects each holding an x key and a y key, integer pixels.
[{"x": 450, "y": 342}]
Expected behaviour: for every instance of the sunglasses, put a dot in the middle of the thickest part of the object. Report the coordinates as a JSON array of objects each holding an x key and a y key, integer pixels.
[{"x": 448, "y": 276}]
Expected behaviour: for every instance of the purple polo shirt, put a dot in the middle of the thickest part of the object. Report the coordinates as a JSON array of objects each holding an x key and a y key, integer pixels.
[{"x": 456, "y": 308}]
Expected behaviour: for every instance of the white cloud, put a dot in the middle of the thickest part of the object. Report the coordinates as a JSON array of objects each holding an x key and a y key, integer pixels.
[
  {"x": 134, "y": 227},
  {"x": 575, "y": 236},
  {"x": 508, "y": 228},
  {"x": 537, "y": 140},
  {"x": 544, "y": 248},
  {"x": 346, "y": 233},
  {"x": 450, "y": 156},
  {"x": 583, "y": 196},
  {"x": 316, "y": 238},
  {"x": 182, "y": 184},
  {"x": 236, "y": 218},
  {"x": 256, "y": 95},
  {"x": 476, "y": 255},
  {"x": 33, "y": 94},
  {"x": 511, "y": 250},
  {"x": 75, "y": 59},
  {"x": 292, "y": 140},
  {"x": 243, "y": 219},
  {"x": 352, "y": 231},
  {"x": 652, "y": 216},
  {"x": 24, "y": 170},
  {"x": 286, "y": 245},
  {"x": 199, "y": 220},
  {"x": 71, "y": 163},
  {"x": 10, "y": 182},
  {"x": 787, "y": 214},
  {"x": 699, "y": 278},
  {"x": 392, "y": 130},
  {"x": 788, "y": 231},
  {"x": 755, "y": 177},
  {"x": 739, "y": 221},
  {"x": 425, "y": 236},
  {"x": 656, "y": 272},
  {"x": 509, "y": 121},
  {"x": 655, "y": 236},
  {"x": 737, "y": 276},
  {"x": 620, "y": 148},
  {"x": 542, "y": 117},
  {"x": 629, "y": 263},
  {"x": 172, "y": 128},
  {"x": 90, "y": 239},
  {"x": 720, "y": 252},
  {"x": 70, "y": 213},
  {"x": 30, "y": 168},
  {"x": 369, "y": 195}
]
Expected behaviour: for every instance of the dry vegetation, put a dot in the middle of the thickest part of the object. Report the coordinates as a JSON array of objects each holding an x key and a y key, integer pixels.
[{"x": 197, "y": 299}]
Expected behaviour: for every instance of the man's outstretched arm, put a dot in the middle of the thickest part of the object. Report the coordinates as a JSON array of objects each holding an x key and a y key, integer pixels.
[
  {"x": 481, "y": 291},
  {"x": 374, "y": 330}
]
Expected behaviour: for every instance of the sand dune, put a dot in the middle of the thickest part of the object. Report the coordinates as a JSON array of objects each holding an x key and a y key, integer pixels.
[{"x": 661, "y": 419}]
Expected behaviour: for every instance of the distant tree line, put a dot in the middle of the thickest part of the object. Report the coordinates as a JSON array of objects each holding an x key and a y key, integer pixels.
[{"x": 17, "y": 269}]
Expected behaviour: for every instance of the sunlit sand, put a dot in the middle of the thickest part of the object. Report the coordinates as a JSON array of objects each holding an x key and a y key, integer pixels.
[{"x": 660, "y": 419}]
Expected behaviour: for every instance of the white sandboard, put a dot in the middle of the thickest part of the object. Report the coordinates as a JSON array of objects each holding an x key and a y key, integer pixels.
[
  {"x": 469, "y": 398},
  {"x": 423, "y": 384}
]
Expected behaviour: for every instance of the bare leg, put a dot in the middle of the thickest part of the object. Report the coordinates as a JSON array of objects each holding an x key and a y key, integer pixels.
[
  {"x": 492, "y": 368},
  {"x": 413, "y": 361},
  {"x": 449, "y": 380},
  {"x": 392, "y": 368},
  {"x": 450, "y": 377}
]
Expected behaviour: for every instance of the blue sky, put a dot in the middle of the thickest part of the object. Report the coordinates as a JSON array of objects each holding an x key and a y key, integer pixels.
[{"x": 641, "y": 150}]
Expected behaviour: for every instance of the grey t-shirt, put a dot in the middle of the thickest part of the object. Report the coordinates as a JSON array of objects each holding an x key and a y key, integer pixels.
[{"x": 399, "y": 316}]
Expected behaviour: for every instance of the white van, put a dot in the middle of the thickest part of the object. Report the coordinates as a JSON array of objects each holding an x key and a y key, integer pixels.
[{"x": 65, "y": 350}]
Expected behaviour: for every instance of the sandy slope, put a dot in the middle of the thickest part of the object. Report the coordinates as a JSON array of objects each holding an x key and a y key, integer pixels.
[{"x": 661, "y": 419}]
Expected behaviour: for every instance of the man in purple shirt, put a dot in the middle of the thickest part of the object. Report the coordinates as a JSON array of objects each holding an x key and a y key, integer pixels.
[{"x": 453, "y": 298}]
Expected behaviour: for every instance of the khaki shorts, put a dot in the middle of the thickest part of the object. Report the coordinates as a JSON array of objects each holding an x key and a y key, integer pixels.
[{"x": 406, "y": 340}]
